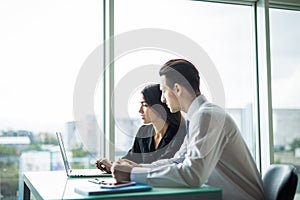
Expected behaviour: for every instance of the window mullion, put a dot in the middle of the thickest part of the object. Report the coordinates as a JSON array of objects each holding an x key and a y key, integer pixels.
[
  {"x": 265, "y": 121},
  {"x": 109, "y": 127}
]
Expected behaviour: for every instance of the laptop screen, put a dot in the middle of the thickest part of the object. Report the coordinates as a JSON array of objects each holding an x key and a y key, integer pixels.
[{"x": 63, "y": 152}]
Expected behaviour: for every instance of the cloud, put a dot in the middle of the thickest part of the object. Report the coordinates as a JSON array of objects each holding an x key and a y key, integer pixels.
[{"x": 286, "y": 92}]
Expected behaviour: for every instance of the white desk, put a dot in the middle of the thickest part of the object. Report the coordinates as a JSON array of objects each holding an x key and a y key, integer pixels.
[{"x": 56, "y": 185}]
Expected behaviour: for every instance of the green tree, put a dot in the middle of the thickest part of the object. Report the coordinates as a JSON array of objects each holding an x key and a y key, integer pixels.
[
  {"x": 295, "y": 144},
  {"x": 79, "y": 153},
  {"x": 36, "y": 147},
  {"x": 8, "y": 150},
  {"x": 49, "y": 139}
]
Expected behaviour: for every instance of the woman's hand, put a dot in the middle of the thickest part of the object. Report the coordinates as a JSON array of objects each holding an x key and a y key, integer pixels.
[{"x": 104, "y": 165}]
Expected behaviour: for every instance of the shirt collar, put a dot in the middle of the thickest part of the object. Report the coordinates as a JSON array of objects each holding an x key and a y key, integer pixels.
[{"x": 200, "y": 100}]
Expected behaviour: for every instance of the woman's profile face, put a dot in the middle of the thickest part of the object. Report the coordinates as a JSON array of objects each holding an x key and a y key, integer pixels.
[{"x": 146, "y": 112}]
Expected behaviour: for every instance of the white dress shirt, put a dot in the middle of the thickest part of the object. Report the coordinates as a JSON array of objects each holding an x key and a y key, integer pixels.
[{"x": 214, "y": 153}]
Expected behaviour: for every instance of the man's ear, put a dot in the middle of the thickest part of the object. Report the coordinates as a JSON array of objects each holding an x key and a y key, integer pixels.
[{"x": 178, "y": 89}]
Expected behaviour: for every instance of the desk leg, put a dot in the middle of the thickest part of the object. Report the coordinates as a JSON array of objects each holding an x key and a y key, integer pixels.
[{"x": 26, "y": 192}]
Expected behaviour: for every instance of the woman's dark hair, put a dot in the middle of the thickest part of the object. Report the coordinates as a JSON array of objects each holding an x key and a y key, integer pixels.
[{"x": 152, "y": 96}]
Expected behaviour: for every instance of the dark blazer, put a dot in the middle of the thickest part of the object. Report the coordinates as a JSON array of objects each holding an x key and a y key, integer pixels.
[{"x": 143, "y": 149}]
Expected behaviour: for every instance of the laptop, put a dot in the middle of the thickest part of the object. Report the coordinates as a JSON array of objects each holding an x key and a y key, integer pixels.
[{"x": 77, "y": 172}]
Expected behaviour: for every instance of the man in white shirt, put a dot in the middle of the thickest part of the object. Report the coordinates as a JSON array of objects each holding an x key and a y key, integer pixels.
[{"x": 213, "y": 152}]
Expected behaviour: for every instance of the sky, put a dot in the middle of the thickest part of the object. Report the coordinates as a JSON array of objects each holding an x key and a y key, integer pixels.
[{"x": 43, "y": 45}]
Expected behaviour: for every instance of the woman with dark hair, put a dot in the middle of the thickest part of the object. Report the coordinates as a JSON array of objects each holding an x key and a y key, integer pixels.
[{"x": 161, "y": 135}]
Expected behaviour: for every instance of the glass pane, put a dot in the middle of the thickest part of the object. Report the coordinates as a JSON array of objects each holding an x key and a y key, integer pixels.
[
  {"x": 223, "y": 31},
  {"x": 285, "y": 51},
  {"x": 44, "y": 44}
]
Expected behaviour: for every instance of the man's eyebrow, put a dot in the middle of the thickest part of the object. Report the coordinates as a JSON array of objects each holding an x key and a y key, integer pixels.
[{"x": 143, "y": 102}]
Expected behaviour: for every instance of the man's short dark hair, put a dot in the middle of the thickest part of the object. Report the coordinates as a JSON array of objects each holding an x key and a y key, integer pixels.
[{"x": 182, "y": 72}]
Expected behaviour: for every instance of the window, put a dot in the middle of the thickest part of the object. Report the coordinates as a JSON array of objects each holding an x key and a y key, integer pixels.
[
  {"x": 224, "y": 32},
  {"x": 44, "y": 44},
  {"x": 285, "y": 51}
]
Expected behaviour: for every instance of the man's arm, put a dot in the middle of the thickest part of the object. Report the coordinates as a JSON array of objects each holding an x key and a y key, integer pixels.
[
  {"x": 204, "y": 150},
  {"x": 123, "y": 168}
]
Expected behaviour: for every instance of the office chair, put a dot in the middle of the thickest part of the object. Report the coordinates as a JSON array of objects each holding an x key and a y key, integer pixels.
[{"x": 280, "y": 182}]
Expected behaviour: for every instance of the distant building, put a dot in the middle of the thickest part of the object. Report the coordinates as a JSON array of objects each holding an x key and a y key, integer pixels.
[
  {"x": 17, "y": 141},
  {"x": 126, "y": 130},
  {"x": 243, "y": 117},
  {"x": 45, "y": 160},
  {"x": 286, "y": 126},
  {"x": 285, "y": 121},
  {"x": 90, "y": 134},
  {"x": 84, "y": 134}
]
